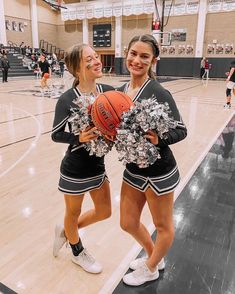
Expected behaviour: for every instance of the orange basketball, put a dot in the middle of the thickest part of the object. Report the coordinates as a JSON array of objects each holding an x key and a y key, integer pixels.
[
  {"x": 46, "y": 75},
  {"x": 107, "y": 111}
]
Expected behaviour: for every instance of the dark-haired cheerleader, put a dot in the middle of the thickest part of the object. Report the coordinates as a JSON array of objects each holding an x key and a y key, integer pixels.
[
  {"x": 156, "y": 183},
  {"x": 80, "y": 172}
]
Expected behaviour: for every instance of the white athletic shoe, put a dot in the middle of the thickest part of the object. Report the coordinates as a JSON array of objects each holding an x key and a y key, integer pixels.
[
  {"x": 139, "y": 261},
  {"x": 87, "y": 262},
  {"x": 140, "y": 276},
  {"x": 60, "y": 239}
]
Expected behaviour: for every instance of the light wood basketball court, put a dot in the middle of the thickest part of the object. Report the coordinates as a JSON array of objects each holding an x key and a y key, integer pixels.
[{"x": 31, "y": 205}]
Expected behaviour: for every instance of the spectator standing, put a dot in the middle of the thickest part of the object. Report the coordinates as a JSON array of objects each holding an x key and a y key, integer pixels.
[
  {"x": 5, "y": 65},
  {"x": 207, "y": 68},
  {"x": 230, "y": 85},
  {"x": 202, "y": 67}
]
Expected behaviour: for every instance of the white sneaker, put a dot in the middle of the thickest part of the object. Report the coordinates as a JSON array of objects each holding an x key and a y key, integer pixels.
[
  {"x": 87, "y": 262},
  {"x": 140, "y": 276},
  {"x": 139, "y": 261},
  {"x": 60, "y": 239}
]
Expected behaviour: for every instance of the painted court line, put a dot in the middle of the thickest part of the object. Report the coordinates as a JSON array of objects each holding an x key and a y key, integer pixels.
[{"x": 32, "y": 145}]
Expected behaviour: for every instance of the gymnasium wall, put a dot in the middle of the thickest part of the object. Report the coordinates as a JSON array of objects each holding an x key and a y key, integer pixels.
[
  {"x": 69, "y": 34},
  {"x": 19, "y": 12},
  {"x": 135, "y": 25}
]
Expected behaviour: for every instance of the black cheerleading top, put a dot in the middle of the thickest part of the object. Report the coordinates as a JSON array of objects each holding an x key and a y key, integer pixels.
[
  {"x": 77, "y": 162},
  {"x": 152, "y": 88}
]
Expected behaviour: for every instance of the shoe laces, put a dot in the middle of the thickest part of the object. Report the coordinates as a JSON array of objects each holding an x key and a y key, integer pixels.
[
  {"x": 87, "y": 256},
  {"x": 141, "y": 271}
]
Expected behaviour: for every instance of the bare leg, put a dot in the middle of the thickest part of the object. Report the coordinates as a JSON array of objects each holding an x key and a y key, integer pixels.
[
  {"x": 161, "y": 208},
  {"x": 102, "y": 207},
  {"x": 131, "y": 206},
  {"x": 73, "y": 210}
]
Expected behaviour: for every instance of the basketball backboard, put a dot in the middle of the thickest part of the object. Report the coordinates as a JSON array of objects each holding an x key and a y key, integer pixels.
[{"x": 163, "y": 38}]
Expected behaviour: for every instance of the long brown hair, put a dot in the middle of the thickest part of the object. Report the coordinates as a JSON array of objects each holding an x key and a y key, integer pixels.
[
  {"x": 149, "y": 39},
  {"x": 73, "y": 57}
]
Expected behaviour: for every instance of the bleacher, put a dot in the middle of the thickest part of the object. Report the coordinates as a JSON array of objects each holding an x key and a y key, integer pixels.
[{"x": 16, "y": 65}]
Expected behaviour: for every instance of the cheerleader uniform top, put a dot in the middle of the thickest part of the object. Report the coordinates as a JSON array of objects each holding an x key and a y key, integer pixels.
[
  {"x": 152, "y": 88},
  {"x": 77, "y": 162}
]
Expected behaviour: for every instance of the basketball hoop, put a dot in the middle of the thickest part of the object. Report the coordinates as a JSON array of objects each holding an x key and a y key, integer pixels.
[{"x": 163, "y": 38}]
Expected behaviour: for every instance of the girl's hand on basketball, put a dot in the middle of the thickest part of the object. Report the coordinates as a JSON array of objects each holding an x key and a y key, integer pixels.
[
  {"x": 109, "y": 138},
  {"x": 152, "y": 136},
  {"x": 89, "y": 134}
]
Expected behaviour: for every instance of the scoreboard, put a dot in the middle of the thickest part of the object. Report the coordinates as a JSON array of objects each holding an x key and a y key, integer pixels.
[{"x": 102, "y": 35}]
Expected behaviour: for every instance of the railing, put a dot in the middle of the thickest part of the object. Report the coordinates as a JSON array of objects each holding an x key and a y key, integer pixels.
[
  {"x": 50, "y": 48},
  {"x": 13, "y": 47}
]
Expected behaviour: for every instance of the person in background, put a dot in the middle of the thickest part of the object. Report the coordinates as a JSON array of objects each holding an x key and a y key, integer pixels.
[
  {"x": 207, "y": 68},
  {"x": 5, "y": 65},
  {"x": 202, "y": 67},
  {"x": 44, "y": 67},
  {"x": 230, "y": 85}
]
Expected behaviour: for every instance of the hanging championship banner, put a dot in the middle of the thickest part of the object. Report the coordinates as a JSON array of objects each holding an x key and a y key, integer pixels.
[
  {"x": 89, "y": 11},
  {"x": 228, "y": 5},
  {"x": 117, "y": 9},
  {"x": 148, "y": 6},
  {"x": 72, "y": 14},
  {"x": 179, "y": 7},
  {"x": 81, "y": 12},
  {"x": 127, "y": 8},
  {"x": 64, "y": 14},
  {"x": 108, "y": 10},
  {"x": 99, "y": 11},
  {"x": 192, "y": 6},
  {"x": 169, "y": 7},
  {"x": 214, "y": 5},
  {"x": 138, "y": 7}
]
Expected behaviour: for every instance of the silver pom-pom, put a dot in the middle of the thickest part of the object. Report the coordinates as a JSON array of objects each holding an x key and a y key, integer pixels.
[
  {"x": 130, "y": 142},
  {"x": 80, "y": 119}
]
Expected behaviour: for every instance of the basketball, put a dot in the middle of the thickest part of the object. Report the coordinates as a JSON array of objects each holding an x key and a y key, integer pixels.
[
  {"x": 46, "y": 75},
  {"x": 106, "y": 111}
]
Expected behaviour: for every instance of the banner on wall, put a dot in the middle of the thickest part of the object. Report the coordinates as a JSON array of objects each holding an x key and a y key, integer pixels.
[
  {"x": 171, "y": 49},
  {"x": 21, "y": 27},
  {"x": 117, "y": 9},
  {"x": 219, "y": 49},
  {"x": 179, "y": 7},
  {"x": 14, "y": 26},
  {"x": 228, "y": 49},
  {"x": 148, "y": 7},
  {"x": 81, "y": 12},
  {"x": 189, "y": 49},
  {"x": 210, "y": 49},
  {"x": 192, "y": 6},
  {"x": 73, "y": 14},
  {"x": 178, "y": 34},
  {"x": 138, "y": 8},
  {"x": 214, "y": 5},
  {"x": 228, "y": 5},
  {"x": 89, "y": 11},
  {"x": 127, "y": 8},
  {"x": 108, "y": 11},
  {"x": 169, "y": 7},
  {"x": 181, "y": 49},
  {"x": 99, "y": 11},
  {"x": 8, "y": 25}
]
